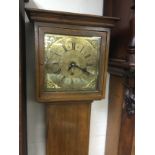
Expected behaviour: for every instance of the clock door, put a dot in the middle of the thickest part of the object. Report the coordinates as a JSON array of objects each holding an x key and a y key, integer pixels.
[{"x": 70, "y": 63}]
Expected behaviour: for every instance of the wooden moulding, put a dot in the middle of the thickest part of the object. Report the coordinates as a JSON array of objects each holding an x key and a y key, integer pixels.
[
  {"x": 120, "y": 67},
  {"x": 70, "y": 18}
]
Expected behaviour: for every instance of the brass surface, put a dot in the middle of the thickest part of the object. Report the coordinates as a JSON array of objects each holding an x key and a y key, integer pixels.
[{"x": 71, "y": 63}]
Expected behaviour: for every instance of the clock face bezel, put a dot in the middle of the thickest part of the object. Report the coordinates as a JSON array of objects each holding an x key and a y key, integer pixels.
[{"x": 50, "y": 96}]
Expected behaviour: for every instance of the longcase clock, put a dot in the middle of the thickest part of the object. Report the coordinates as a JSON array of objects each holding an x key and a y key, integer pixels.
[{"x": 71, "y": 57}]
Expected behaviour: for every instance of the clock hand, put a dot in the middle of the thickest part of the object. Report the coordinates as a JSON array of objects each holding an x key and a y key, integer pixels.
[
  {"x": 73, "y": 64},
  {"x": 83, "y": 69}
]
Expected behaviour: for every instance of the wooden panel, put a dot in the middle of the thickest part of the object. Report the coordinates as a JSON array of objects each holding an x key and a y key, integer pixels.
[
  {"x": 127, "y": 134},
  {"x": 114, "y": 115},
  {"x": 68, "y": 129},
  {"x": 133, "y": 146}
]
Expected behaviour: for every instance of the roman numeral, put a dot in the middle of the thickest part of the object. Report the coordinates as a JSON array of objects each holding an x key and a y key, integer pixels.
[
  {"x": 81, "y": 49},
  {"x": 73, "y": 46},
  {"x": 64, "y": 47}
]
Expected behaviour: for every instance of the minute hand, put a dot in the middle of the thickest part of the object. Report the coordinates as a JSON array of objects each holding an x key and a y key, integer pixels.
[{"x": 83, "y": 69}]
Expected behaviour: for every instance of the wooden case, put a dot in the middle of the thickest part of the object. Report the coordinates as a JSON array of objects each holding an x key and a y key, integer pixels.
[{"x": 70, "y": 24}]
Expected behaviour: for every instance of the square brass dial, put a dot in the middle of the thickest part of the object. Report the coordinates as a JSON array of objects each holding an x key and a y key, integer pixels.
[{"x": 71, "y": 63}]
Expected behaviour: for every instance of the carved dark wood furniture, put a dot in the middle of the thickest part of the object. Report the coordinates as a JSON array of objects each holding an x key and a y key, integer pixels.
[{"x": 121, "y": 119}]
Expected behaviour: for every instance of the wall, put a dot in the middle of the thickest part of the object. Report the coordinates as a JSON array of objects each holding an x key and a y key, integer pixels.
[
  {"x": 77, "y": 6},
  {"x": 36, "y": 111}
]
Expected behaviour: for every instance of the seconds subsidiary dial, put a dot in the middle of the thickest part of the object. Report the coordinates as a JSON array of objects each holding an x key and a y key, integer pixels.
[{"x": 71, "y": 63}]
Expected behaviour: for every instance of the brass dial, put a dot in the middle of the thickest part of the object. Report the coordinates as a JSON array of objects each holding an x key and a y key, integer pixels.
[{"x": 71, "y": 62}]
